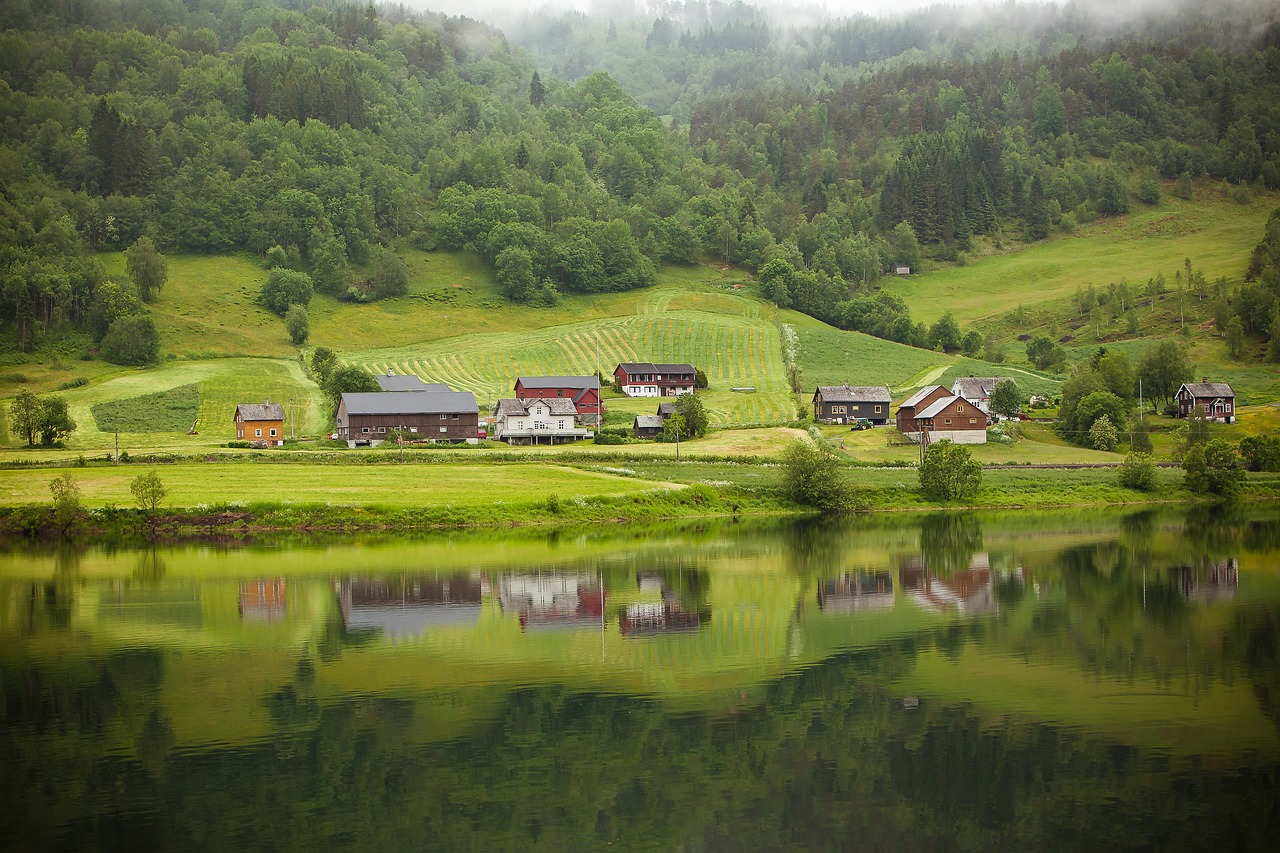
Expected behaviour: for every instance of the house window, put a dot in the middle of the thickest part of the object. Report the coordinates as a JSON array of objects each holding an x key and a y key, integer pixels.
[
  {"x": 973, "y": 421},
  {"x": 1206, "y": 408},
  {"x": 960, "y": 409},
  {"x": 413, "y": 429},
  {"x": 258, "y": 432},
  {"x": 877, "y": 410},
  {"x": 455, "y": 417},
  {"x": 382, "y": 429},
  {"x": 559, "y": 393},
  {"x": 273, "y": 433},
  {"x": 839, "y": 410},
  {"x": 364, "y": 429},
  {"x": 442, "y": 417},
  {"x": 444, "y": 429},
  {"x": 1228, "y": 407},
  {"x": 947, "y": 421},
  {"x": 561, "y": 424}
]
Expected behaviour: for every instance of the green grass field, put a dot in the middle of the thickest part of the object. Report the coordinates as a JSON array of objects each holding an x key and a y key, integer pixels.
[
  {"x": 389, "y": 485},
  {"x": 1215, "y": 232}
]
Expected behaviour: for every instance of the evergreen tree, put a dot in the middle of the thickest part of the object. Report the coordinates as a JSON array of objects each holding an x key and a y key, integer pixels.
[{"x": 537, "y": 94}]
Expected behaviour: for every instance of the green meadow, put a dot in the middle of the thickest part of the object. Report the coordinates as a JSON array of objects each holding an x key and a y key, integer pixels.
[{"x": 1215, "y": 232}]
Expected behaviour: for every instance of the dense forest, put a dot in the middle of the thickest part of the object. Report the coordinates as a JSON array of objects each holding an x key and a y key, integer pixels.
[{"x": 311, "y": 134}]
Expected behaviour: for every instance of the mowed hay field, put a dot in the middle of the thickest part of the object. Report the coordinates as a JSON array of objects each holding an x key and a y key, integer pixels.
[
  {"x": 1217, "y": 234},
  {"x": 222, "y": 384},
  {"x": 726, "y": 335}
]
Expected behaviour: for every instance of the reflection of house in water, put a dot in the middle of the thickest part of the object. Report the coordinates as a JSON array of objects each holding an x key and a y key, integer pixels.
[
  {"x": 408, "y": 605},
  {"x": 853, "y": 592},
  {"x": 550, "y": 601},
  {"x": 969, "y": 592},
  {"x": 264, "y": 601},
  {"x": 1217, "y": 581},
  {"x": 671, "y": 615}
]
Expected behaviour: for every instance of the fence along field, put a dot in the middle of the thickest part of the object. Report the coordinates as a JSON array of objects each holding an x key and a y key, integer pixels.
[{"x": 733, "y": 350}]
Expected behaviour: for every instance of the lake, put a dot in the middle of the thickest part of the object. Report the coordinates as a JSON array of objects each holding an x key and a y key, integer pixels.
[{"x": 959, "y": 681}]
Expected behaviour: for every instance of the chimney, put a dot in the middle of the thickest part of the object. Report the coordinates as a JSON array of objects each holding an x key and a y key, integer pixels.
[
  {"x": 1204, "y": 378},
  {"x": 390, "y": 372}
]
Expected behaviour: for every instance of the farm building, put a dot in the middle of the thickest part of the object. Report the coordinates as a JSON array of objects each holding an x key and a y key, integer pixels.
[
  {"x": 646, "y": 426},
  {"x": 260, "y": 422},
  {"x": 666, "y": 410},
  {"x": 538, "y": 421},
  {"x": 1213, "y": 400},
  {"x": 643, "y": 379},
  {"x": 934, "y": 413},
  {"x": 366, "y": 418},
  {"x": 394, "y": 382},
  {"x": 840, "y": 404},
  {"x": 977, "y": 389},
  {"x": 584, "y": 391}
]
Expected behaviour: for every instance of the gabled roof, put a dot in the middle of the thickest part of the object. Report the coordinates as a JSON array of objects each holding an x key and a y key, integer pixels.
[
  {"x": 974, "y": 387},
  {"x": 934, "y": 408},
  {"x": 666, "y": 410},
  {"x": 520, "y": 408},
  {"x": 855, "y": 393},
  {"x": 648, "y": 367},
  {"x": 261, "y": 411},
  {"x": 585, "y": 383},
  {"x": 395, "y": 382},
  {"x": 914, "y": 399},
  {"x": 1208, "y": 389},
  {"x": 411, "y": 403},
  {"x": 648, "y": 422}
]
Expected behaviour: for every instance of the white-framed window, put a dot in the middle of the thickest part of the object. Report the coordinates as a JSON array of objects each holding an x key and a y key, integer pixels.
[
  {"x": 364, "y": 430},
  {"x": 973, "y": 421},
  {"x": 947, "y": 421},
  {"x": 877, "y": 410},
  {"x": 561, "y": 424},
  {"x": 258, "y": 432},
  {"x": 273, "y": 433},
  {"x": 442, "y": 417},
  {"x": 444, "y": 429},
  {"x": 960, "y": 410},
  {"x": 413, "y": 429},
  {"x": 382, "y": 429}
]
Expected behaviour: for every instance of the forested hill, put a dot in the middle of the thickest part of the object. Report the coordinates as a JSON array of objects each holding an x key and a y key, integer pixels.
[{"x": 328, "y": 130}]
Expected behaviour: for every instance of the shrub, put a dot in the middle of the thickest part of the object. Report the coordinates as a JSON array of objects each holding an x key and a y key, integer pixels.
[
  {"x": 1213, "y": 467},
  {"x": 66, "y": 501},
  {"x": 148, "y": 491},
  {"x": 1138, "y": 472},
  {"x": 1261, "y": 452},
  {"x": 132, "y": 341},
  {"x": 949, "y": 472},
  {"x": 286, "y": 287},
  {"x": 811, "y": 478},
  {"x": 298, "y": 324},
  {"x": 1103, "y": 435}
]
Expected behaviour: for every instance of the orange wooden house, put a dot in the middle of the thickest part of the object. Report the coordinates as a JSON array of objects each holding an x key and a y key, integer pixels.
[{"x": 260, "y": 422}]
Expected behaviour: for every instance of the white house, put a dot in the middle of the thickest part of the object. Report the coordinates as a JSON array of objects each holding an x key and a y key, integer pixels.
[
  {"x": 538, "y": 421},
  {"x": 977, "y": 389}
]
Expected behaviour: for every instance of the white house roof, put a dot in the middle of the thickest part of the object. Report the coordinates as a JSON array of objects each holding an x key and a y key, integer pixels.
[
  {"x": 937, "y": 406},
  {"x": 411, "y": 403},
  {"x": 914, "y": 399},
  {"x": 519, "y": 408}
]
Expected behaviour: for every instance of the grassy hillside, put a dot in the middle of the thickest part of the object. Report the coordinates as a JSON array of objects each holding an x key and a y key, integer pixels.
[{"x": 1214, "y": 231}]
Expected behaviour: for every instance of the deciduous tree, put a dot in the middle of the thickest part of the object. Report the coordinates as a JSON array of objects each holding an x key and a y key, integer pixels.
[
  {"x": 147, "y": 268},
  {"x": 949, "y": 472}
]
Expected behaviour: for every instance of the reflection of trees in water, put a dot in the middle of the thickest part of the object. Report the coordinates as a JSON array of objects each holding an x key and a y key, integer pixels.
[
  {"x": 150, "y": 568},
  {"x": 948, "y": 540}
]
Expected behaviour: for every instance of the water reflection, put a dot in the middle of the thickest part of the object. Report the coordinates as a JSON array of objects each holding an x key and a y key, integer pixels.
[
  {"x": 409, "y": 605},
  {"x": 580, "y": 695}
]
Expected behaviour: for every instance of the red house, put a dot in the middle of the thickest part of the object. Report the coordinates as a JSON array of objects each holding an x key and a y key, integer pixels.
[
  {"x": 584, "y": 391},
  {"x": 645, "y": 379},
  {"x": 934, "y": 413},
  {"x": 1211, "y": 400}
]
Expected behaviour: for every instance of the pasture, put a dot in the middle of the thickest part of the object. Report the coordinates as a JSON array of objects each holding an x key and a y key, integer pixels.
[{"x": 1217, "y": 234}]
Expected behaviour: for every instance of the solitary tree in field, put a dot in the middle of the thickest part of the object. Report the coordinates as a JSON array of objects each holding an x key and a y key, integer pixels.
[
  {"x": 24, "y": 416},
  {"x": 148, "y": 491},
  {"x": 147, "y": 268},
  {"x": 810, "y": 477},
  {"x": 949, "y": 472},
  {"x": 66, "y": 501},
  {"x": 298, "y": 324}
]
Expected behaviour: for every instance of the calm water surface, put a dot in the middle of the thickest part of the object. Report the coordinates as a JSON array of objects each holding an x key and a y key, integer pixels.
[{"x": 1102, "y": 680}]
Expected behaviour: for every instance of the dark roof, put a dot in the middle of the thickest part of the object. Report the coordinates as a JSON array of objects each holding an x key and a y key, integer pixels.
[
  {"x": 411, "y": 403},
  {"x": 394, "y": 382},
  {"x": 261, "y": 411},
  {"x": 584, "y": 382},
  {"x": 1209, "y": 389},
  {"x": 648, "y": 367},
  {"x": 519, "y": 408},
  {"x": 855, "y": 393},
  {"x": 666, "y": 410},
  {"x": 973, "y": 387}
]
